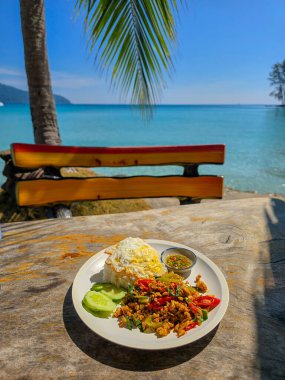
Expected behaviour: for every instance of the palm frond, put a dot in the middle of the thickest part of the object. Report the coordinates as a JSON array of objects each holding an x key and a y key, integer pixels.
[{"x": 134, "y": 40}]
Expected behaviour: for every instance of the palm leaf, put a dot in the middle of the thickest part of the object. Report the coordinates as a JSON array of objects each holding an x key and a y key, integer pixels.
[{"x": 134, "y": 40}]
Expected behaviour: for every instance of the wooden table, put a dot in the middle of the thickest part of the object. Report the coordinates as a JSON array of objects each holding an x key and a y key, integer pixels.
[{"x": 43, "y": 338}]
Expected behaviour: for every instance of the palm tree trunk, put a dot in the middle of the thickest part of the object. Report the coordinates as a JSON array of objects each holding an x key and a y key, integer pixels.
[{"x": 42, "y": 103}]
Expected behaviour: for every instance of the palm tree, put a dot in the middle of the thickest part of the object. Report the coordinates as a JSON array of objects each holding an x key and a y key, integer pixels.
[
  {"x": 132, "y": 38},
  {"x": 277, "y": 79},
  {"x": 42, "y": 103}
]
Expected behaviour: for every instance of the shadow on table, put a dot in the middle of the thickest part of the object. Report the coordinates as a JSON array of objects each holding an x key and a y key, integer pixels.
[
  {"x": 270, "y": 310},
  {"x": 122, "y": 357}
]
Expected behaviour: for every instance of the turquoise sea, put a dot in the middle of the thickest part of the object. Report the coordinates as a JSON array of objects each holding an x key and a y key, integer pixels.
[{"x": 254, "y": 136}]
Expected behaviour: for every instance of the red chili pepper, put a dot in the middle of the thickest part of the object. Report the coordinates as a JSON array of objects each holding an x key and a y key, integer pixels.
[
  {"x": 163, "y": 300},
  {"x": 154, "y": 306},
  {"x": 143, "y": 283},
  {"x": 207, "y": 302},
  {"x": 160, "y": 302},
  {"x": 174, "y": 284},
  {"x": 193, "y": 308},
  {"x": 191, "y": 326}
]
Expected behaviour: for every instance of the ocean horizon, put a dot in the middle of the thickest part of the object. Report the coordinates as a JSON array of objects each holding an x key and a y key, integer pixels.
[{"x": 254, "y": 136}]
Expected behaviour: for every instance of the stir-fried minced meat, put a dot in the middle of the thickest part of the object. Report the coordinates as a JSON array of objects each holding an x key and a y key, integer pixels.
[
  {"x": 201, "y": 284},
  {"x": 164, "y": 304}
]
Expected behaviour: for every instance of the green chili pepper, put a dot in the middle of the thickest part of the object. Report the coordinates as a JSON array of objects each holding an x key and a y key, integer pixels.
[
  {"x": 129, "y": 324},
  {"x": 138, "y": 324},
  {"x": 131, "y": 290},
  {"x": 177, "y": 291},
  {"x": 170, "y": 292},
  {"x": 205, "y": 314}
]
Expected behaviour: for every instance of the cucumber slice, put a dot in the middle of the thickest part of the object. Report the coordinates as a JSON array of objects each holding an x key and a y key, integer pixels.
[
  {"x": 97, "y": 287},
  {"x": 96, "y": 301},
  {"x": 110, "y": 290},
  {"x": 100, "y": 314}
]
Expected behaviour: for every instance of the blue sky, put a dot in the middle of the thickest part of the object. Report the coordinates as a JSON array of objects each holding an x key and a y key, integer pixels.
[{"x": 224, "y": 52}]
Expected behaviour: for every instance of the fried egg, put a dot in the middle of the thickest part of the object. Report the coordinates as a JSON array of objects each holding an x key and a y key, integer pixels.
[{"x": 130, "y": 259}]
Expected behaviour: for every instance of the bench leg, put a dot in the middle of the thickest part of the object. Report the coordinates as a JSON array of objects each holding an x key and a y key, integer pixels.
[
  {"x": 62, "y": 212},
  {"x": 58, "y": 211}
]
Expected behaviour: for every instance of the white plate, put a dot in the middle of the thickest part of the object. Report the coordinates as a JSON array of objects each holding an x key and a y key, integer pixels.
[{"x": 92, "y": 271}]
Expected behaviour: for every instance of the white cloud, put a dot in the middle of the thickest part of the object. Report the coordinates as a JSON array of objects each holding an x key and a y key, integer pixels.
[
  {"x": 20, "y": 83},
  {"x": 217, "y": 92},
  {"x": 60, "y": 80},
  {"x": 11, "y": 72},
  {"x": 13, "y": 77},
  {"x": 66, "y": 80},
  {"x": 91, "y": 89}
]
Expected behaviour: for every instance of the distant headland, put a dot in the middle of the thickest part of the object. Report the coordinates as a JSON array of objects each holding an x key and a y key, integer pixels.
[{"x": 13, "y": 95}]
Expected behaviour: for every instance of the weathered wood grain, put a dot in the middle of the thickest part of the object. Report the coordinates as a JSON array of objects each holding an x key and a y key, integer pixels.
[{"x": 42, "y": 337}]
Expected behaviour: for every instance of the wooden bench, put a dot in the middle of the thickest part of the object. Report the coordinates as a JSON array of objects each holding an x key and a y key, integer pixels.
[{"x": 53, "y": 189}]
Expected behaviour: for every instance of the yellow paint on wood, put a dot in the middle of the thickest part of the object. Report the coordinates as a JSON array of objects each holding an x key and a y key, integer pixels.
[
  {"x": 43, "y": 159},
  {"x": 43, "y": 191}
]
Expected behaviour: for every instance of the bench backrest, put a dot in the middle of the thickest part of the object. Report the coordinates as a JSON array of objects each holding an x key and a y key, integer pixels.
[{"x": 43, "y": 191}]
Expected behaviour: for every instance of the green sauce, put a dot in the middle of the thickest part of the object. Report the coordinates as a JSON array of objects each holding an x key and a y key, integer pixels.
[{"x": 178, "y": 261}]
